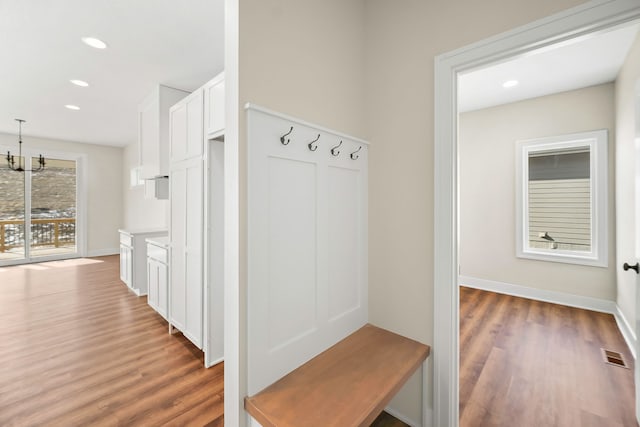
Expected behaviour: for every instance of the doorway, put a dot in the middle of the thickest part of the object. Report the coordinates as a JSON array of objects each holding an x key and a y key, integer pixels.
[
  {"x": 577, "y": 22},
  {"x": 40, "y": 212}
]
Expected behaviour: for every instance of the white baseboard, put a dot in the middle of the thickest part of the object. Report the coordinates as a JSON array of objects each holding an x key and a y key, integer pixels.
[
  {"x": 626, "y": 330},
  {"x": 578, "y": 301},
  {"x": 412, "y": 423},
  {"x": 103, "y": 252}
]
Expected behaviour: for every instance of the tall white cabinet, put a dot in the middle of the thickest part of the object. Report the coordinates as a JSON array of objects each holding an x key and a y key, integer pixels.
[
  {"x": 195, "y": 286},
  {"x": 186, "y": 230}
]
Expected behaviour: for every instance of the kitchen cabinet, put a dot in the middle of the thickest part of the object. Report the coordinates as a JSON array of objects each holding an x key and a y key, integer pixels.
[
  {"x": 196, "y": 287},
  {"x": 186, "y": 128},
  {"x": 153, "y": 130},
  {"x": 214, "y": 100},
  {"x": 186, "y": 226},
  {"x": 133, "y": 258},
  {"x": 158, "y": 274}
]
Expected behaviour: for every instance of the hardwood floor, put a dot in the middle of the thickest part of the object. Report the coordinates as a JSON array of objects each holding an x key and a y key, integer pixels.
[
  {"x": 79, "y": 349},
  {"x": 530, "y": 363}
]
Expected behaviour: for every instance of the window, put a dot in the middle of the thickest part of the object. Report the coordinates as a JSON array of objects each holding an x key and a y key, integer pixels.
[
  {"x": 561, "y": 198},
  {"x": 135, "y": 178}
]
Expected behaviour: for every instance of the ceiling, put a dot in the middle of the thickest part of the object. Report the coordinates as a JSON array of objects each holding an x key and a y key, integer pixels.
[
  {"x": 174, "y": 43},
  {"x": 588, "y": 61}
]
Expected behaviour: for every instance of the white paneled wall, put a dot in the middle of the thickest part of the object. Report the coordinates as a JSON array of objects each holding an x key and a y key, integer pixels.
[{"x": 307, "y": 242}]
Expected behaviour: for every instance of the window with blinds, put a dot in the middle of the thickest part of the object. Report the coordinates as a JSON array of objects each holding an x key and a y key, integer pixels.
[{"x": 562, "y": 198}]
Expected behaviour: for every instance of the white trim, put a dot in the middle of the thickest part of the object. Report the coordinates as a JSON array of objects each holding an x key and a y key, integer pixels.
[
  {"x": 597, "y": 143},
  {"x": 235, "y": 367},
  {"x": 250, "y": 106},
  {"x": 626, "y": 331},
  {"x": 412, "y": 423},
  {"x": 102, "y": 252},
  {"x": 587, "y": 18},
  {"x": 578, "y": 301},
  {"x": 213, "y": 362},
  {"x": 570, "y": 300}
]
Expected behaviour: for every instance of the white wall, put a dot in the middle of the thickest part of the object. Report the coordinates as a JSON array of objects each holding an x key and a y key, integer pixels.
[
  {"x": 487, "y": 143},
  {"x": 104, "y": 199},
  {"x": 401, "y": 42},
  {"x": 140, "y": 213},
  {"x": 626, "y": 170}
]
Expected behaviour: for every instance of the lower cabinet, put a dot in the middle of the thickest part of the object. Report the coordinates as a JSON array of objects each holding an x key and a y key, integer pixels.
[
  {"x": 126, "y": 254},
  {"x": 133, "y": 258},
  {"x": 158, "y": 275}
]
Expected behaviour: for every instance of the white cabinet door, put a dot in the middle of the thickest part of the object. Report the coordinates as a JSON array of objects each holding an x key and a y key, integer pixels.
[
  {"x": 187, "y": 237},
  {"x": 126, "y": 264},
  {"x": 163, "y": 277},
  {"x": 148, "y": 136},
  {"x": 214, "y": 95},
  {"x": 157, "y": 281},
  {"x": 153, "y": 130},
  {"x": 177, "y": 231},
  {"x": 187, "y": 127},
  {"x": 152, "y": 283}
]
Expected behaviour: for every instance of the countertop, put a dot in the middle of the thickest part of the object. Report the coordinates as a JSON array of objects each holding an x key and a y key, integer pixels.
[{"x": 162, "y": 241}]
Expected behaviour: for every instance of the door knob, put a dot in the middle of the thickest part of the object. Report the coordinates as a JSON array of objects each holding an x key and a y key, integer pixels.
[{"x": 635, "y": 267}]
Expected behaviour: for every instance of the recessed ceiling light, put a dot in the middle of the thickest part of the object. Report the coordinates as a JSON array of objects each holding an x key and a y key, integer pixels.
[
  {"x": 510, "y": 83},
  {"x": 94, "y": 42},
  {"x": 72, "y": 107},
  {"x": 81, "y": 83}
]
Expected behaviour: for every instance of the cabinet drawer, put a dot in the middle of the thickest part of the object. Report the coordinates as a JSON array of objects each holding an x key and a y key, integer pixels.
[
  {"x": 125, "y": 239},
  {"x": 157, "y": 253}
]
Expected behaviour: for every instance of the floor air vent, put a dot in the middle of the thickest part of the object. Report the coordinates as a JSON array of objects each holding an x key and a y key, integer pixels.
[{"x": 614, "y": 358}]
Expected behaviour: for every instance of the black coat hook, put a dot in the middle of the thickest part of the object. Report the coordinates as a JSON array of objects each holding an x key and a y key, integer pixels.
[
  {"x": 354, "y": 155},
  {"x": 335, "y": 152},
  {"x": 282, "y": 140},
  {"x": 311, "y": 145}
]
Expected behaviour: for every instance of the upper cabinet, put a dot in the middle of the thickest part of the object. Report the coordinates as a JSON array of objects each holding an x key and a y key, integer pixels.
[
  {"x": 196, "y": 119},
  {"x": 214, "y": 107},
  {"x": 153, "y": 130},
  {"x": 186, "y": 128}
]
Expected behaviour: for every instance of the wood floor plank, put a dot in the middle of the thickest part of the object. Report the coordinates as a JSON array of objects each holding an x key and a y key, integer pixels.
[
  {"x": 531, "y": 363},
  {"x": 80, "y": 349}
]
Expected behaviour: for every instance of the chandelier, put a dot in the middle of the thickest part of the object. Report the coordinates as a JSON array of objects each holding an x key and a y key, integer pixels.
[{"x": 19, "y": 166}]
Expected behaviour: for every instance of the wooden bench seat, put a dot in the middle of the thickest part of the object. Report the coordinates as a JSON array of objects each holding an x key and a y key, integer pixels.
[{"x": 347, "y": 385}]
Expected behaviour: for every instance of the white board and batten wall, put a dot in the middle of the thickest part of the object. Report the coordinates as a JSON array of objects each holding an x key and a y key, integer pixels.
[{"x": 307, "y": 242}]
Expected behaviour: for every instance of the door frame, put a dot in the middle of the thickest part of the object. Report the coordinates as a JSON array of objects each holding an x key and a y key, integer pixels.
[{"x": 581, "y": 21}]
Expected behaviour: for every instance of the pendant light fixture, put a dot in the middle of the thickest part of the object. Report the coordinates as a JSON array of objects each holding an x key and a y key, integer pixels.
[{"x": 19, "y": 167}]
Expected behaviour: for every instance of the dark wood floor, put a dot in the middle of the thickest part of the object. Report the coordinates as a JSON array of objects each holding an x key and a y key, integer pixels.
[
  {"x": 78, "y": 349},
  {"x": 530, "y": 364}
]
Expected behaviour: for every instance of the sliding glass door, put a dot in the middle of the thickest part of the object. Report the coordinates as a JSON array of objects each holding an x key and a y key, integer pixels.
[
  {"x": 53, "y": 209},
  {"x": 46, "y": 204},
  {"x": 12, "y": 214}
]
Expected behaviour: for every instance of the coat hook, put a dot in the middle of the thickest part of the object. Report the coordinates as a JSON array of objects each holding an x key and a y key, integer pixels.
[
  {"x": 354, "y": 155},
  {"x": 314, "y": 147},
  {"x": 282, "y": 140},
  {"x": 335, "y": 152}
]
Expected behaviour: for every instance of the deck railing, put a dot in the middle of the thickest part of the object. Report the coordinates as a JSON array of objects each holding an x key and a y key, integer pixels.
[{"x": 53, "y": 232}]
